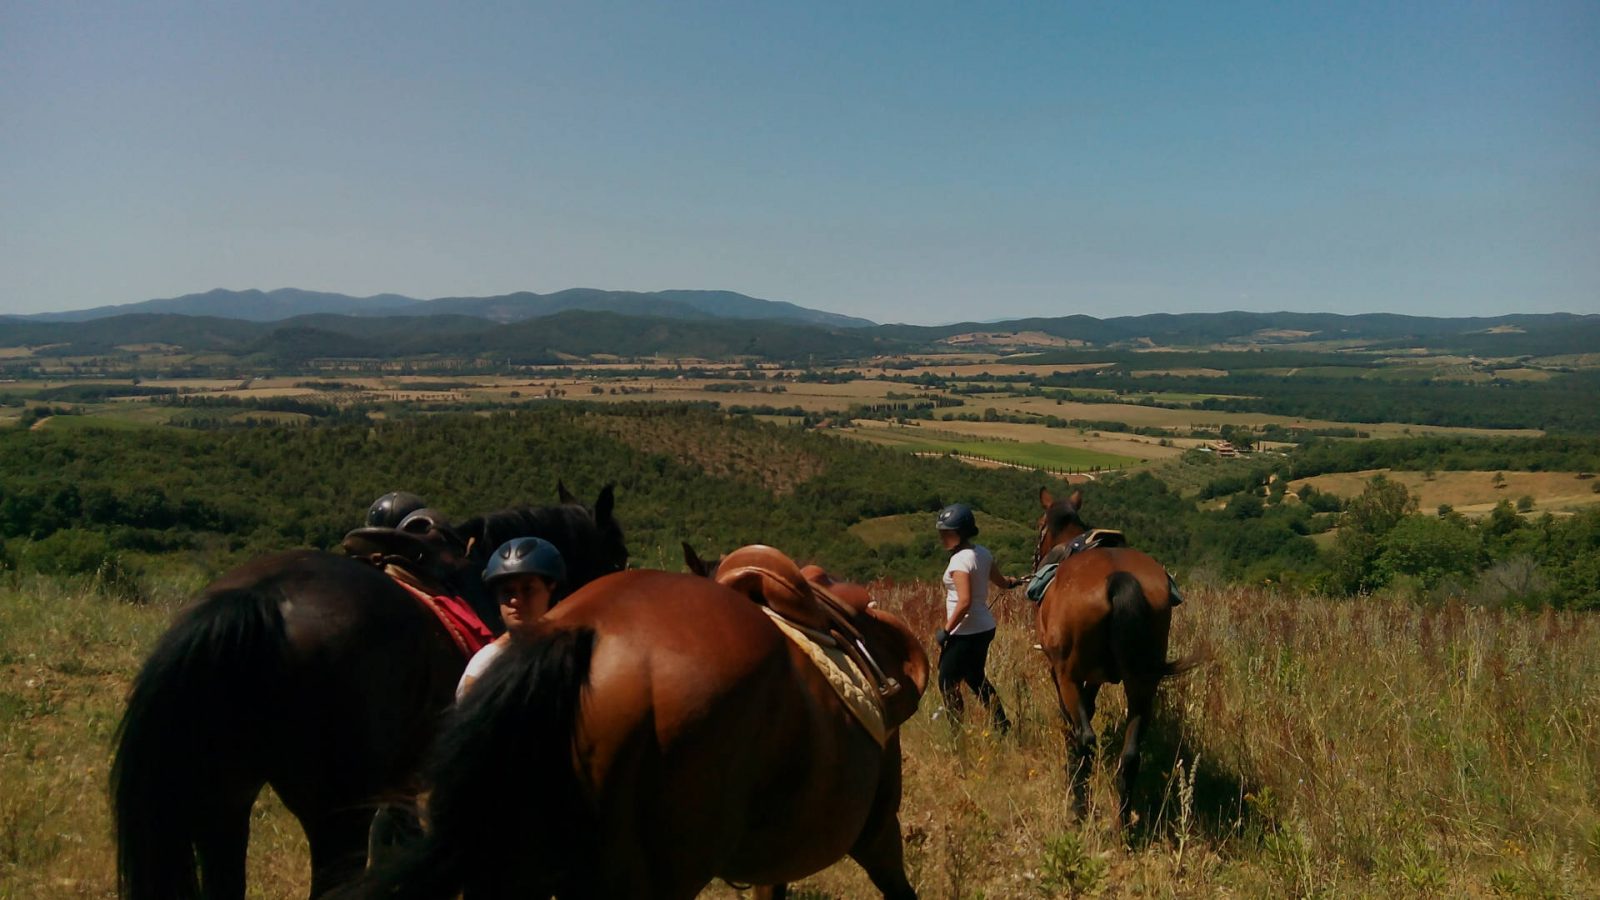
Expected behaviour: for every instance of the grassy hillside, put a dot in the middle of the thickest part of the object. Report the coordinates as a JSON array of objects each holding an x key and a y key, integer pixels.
[{"x": 1328, "y": 749}]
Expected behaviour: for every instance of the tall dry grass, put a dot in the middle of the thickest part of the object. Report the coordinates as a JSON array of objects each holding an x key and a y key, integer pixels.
[{"x": 1349, "y": 748}]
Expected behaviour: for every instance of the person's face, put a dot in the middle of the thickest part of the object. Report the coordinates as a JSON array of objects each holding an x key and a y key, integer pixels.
[
  {"x": 950, "y": 539},
  {"x": 523, "y": 600}
]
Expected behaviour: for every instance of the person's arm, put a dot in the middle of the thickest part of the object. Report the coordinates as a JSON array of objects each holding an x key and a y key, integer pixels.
[
  {"x": 477, "y": 664},
  {"x": 1001, "y": 581}
]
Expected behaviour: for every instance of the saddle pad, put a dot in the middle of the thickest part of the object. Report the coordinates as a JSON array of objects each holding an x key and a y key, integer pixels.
[
  {"x": 849, "y": 682},
  {"x": 1041, "y": 582},
  {"x": 464, "y": 626}
]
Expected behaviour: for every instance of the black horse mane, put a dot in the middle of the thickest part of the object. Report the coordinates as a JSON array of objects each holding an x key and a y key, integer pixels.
[{"x": 563, "y": 525}]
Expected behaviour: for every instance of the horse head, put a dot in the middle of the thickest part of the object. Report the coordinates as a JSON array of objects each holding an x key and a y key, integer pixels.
[
  {"x": 612, "y": 549},
  {"x": 590, "y": 539},
  {"x": 1058, "y": 524}
]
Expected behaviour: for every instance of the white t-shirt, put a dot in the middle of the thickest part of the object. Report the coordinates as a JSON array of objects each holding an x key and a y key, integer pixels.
[
  {"x": 976, "y": 561},
  {"x": 478, "y": 664}
]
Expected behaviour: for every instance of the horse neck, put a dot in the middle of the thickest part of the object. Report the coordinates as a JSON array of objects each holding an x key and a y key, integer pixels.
[{"x": 1049, "y": 540}]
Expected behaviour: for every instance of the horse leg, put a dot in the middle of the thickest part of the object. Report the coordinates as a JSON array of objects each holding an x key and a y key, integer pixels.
[
  {"x": 1077, "y": 720},
  {"x": 881, "y": 855},
  {"x": 222, "y": 844},
  {"x": 338, "y": 841},
  {"x": 769, "y": 891},
  {"x": 1141, "y": 698},
  {"x": 879, "y": 849}
]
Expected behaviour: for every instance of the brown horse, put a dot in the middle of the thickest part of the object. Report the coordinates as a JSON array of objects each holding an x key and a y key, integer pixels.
[
  {"x": 660, "y": 732},
  {"x": 314, "y": 673},
  {"x": 1103, "y": 620}
]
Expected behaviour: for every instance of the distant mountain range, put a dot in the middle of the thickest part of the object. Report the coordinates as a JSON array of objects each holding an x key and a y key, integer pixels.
[
  {"x": 287, "y": 303},
  {"x": 288, "y": 326}
]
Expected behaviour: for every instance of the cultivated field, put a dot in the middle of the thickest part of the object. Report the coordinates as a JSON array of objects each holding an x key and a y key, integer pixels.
[
  {"x": 1113, "y": 445},
  {"x": 1472, "y": 493},
  {"x": 1358, "y": 748}
]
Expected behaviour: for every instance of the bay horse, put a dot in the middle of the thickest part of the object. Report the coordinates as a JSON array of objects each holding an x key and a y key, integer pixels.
[
  {"x": 1104, "y": 619},
  {"x": 656, "y": 733},
  {"x": 317, "y": 674}
]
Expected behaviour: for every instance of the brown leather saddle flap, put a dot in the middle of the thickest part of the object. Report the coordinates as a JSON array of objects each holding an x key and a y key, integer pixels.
[
  {"x": 769, "y": 577},
  {"x": 810, "y": 598}
]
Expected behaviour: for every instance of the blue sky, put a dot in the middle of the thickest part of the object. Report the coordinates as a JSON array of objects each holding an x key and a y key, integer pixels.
[{"x": 905, "y": 162}]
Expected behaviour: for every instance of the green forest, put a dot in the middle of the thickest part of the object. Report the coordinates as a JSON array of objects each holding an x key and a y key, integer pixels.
[{"x": 126, "y": 503}]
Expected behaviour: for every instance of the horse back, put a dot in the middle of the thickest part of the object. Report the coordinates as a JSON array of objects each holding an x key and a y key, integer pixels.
[{"x": 1074, "y": 618}]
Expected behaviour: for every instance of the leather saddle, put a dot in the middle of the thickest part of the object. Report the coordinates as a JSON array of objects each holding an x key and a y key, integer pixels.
[
  {"x": 826, "y": 610},
  {"x": 421, "y": 563}
]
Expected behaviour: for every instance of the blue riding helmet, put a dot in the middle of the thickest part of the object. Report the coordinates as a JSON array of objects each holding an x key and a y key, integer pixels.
[
  {"x": 526, "y": 556},
  {"x": 390, "y": 509},
  {"x": 958, "y": 517}
]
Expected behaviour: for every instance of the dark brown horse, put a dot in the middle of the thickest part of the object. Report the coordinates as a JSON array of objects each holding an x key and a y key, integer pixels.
[
  {"x": 314, "y": 673},
  {"x": 658, "y": 733},
  {"x": 1104, "y": 620}
]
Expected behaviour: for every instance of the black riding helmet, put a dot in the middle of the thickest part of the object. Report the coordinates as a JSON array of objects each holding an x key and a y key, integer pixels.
[
  {"x": 390, "y": 509},
  {"x": 958, "y": 517},
  {"x": 526, "y": 556}
]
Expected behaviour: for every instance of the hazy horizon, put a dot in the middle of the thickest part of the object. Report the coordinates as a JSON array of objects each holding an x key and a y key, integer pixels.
[
  {"x": 882, "y": 162},
  {"x": 992, "y": 320}
]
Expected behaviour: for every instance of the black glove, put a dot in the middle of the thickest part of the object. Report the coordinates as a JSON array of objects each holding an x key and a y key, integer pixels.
[{"x": 940, "y": 636}]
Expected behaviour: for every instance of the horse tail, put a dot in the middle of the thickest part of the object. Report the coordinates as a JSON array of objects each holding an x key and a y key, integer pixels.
[
  {"x": 506, "y": 808},
  {"x": 1132, "y": 632},
  {"x": 183, "y": 769}
]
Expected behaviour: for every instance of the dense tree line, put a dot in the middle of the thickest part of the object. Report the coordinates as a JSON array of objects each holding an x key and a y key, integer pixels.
[
  {"x": 1561, "y": 404},
  {"x": 79, "y": 500}
]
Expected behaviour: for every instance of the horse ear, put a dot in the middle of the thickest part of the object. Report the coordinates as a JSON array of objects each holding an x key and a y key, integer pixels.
[
  {"x": 1076, "y": 499},
  {"x": 1045, "y": 500},
  {"x": 472, "y": 534},
  {"x": 604, "y": 504},
  {"x": 564, "y": 495},
  {"x": 693, "y": 561}
]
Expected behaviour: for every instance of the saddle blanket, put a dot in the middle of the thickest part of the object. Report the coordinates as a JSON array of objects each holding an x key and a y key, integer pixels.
[
  {"x": 1097, "y": 537},
  {"x": 465, "y": 628},
  {"x": 852, "y": 685}
]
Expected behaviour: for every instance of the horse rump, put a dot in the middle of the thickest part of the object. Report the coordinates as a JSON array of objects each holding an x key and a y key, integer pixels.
[
  {"x": 182, "y": 781},
  {"x": 1139, "y": 648},
  {"x": 507, "y": 815}
]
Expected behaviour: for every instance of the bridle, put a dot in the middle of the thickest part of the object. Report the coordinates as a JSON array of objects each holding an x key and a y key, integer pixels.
[{"x": 1040, "y": 548}]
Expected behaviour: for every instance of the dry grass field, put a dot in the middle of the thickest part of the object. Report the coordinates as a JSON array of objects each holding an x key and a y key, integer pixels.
[
  {"x": 1361, "y": 748},
  {"x": 1128, "y": 446},
  {"x": 1472, "y": 493},
  {"x": 1183, "y": 419},
  {"x": 624, "y": 384}
]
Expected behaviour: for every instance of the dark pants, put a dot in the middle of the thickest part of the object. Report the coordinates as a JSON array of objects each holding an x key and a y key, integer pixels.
[{"x": 963, "y": 660}]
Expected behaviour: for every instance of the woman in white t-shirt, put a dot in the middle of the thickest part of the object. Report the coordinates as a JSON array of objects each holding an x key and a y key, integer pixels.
[
  {"x": 969, "y": 625},
  {"x": 521, "y": 575}
]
